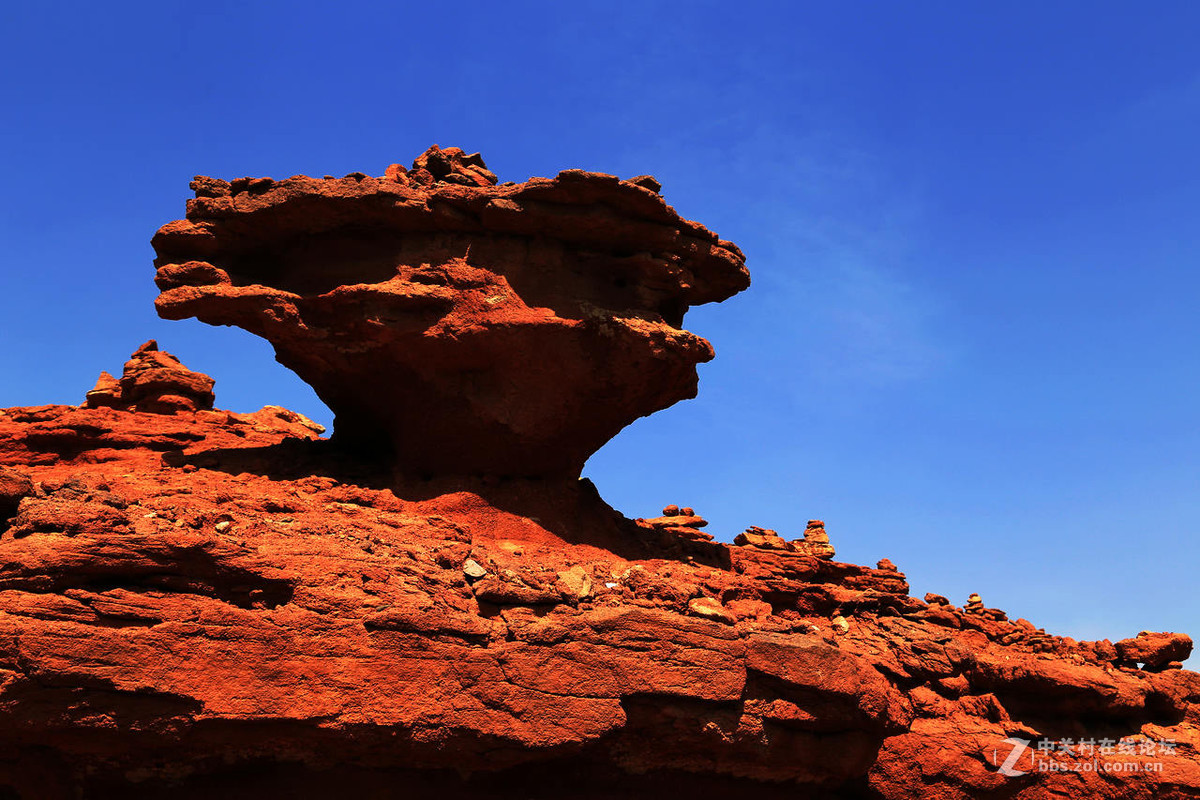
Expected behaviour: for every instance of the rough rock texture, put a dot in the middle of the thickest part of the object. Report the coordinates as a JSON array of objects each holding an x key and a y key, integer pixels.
[
  {"x": 153, "y": 381},
  {"x": 815, "y": 541},
  {"x": 15, "y": 486},
  {"x": 475, "y": 328},
  {"x": 198, "y": 603},
  {"x": 1154, "y": 651},
  {"x": 214, "y": 604}
]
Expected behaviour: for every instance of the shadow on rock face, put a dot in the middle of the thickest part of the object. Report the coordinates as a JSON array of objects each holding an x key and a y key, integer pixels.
[
  {"x": 507, "y": 330},
  {"x": 14, "y": 486},
  {"x": 535, "y": 511},
  {"x": 292, "y": 459}
]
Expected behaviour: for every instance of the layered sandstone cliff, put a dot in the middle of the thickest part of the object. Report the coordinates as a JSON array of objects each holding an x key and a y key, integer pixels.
[{"x": 199, "y": 603}]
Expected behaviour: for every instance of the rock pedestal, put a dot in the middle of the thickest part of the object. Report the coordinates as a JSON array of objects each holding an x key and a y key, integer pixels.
[
  {"x": 215, "y": 604},
  {"x": 471, "y": 328}
]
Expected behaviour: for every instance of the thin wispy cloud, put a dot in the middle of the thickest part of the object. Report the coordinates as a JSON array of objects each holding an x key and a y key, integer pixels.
[
  {"x": 839, "y": 243},
  {"x": 832, "y": 237}
]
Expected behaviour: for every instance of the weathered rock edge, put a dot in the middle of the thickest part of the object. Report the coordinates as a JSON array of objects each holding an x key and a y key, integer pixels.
[
  {"x": 473, "y": 328},
  {"x": 210, "y": 602}
]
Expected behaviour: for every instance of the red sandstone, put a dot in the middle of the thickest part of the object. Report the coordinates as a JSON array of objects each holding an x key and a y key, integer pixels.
[
  {"x": 199, "y": 603},
  {"x": 472, "y": 328}
]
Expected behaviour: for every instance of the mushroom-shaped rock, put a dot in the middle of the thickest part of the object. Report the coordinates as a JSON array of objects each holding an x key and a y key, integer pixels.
[
  {"x": 674, "y": 521},
  {"x": 471, "y": 328},
  {"x": 678, "y": 523}
]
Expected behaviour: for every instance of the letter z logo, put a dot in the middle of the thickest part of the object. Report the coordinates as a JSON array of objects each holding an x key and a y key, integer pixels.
[{"x": 1019, "y": 746}]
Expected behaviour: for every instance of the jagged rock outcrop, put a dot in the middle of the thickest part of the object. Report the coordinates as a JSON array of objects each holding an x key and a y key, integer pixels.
[
  {"x": 475, "y": 328},
  {"x": 153, "y": 381},
  {"x": 815, "y": 541},
  {"x": 215, "y": 603},
  {"x": 1154, "y": 651},
  {"x": 199, "y": 603}
]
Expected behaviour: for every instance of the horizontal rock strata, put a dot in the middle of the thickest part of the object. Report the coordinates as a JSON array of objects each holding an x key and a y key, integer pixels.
[
  {"x": 196, "y": 603},
  {"x": 187, "y": 605}
]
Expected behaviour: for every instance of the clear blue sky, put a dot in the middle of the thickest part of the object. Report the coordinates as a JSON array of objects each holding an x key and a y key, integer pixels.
[{"x": 972, "y": 344}]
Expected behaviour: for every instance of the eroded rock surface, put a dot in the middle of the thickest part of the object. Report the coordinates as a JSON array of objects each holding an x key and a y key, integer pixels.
[
  {"x": 474, "y": 328},
  {"x": 153, "y": 381},
  {"x": 210, "y": 603},
  {"x": 197, "y": 603}
]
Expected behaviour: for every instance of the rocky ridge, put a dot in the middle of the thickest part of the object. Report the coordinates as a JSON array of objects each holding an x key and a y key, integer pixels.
[{"x": 196, "y": 602}]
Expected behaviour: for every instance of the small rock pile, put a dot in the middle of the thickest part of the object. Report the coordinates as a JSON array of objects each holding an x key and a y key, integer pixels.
[
  {"x": 451, "y": 165},
  {"x": 763, "y": 539},
  {"x": 975, "y": 606},
  {"x": 153, "y": 381},
  {"x": 815, "y": 541},
  {"x": 683, "y": 522}
]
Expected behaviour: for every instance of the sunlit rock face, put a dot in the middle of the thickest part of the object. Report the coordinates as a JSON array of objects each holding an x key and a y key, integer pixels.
[
  {"x": 469, "y": 327},
  {"x": 153, "y": 381},
  {"x": 200, "y": 603}
]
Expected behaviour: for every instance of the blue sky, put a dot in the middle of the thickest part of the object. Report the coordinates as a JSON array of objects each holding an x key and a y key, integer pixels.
[{"x": 971, "y": 344}]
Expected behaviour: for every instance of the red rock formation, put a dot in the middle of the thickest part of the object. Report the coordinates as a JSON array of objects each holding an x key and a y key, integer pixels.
[
  {"x": 153, "y": 381},
  {"x": 15, "y": 486},
  {"x": 477, "y": 329},
  {"x": 209, "y": 603},
  {"x": 1154, "y": 651},
  {"x": 203, "y": 604}
]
